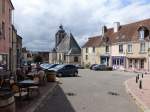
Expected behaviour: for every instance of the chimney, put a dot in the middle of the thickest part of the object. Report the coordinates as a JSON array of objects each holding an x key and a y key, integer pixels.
[
  {"x": 104, "y": 30},
  {"x": 116, "y": 26}
]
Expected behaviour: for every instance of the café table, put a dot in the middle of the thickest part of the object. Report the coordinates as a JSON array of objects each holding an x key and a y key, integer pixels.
[
  {"x": 31, "y": 75},
  {"x": 26, "y": 84}
]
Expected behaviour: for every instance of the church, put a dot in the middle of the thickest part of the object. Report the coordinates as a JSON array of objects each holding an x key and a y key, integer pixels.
[{"x": 66, "y": 50}]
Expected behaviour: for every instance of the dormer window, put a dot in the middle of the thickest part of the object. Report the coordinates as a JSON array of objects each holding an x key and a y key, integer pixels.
[{"x": 141, "y": 34}]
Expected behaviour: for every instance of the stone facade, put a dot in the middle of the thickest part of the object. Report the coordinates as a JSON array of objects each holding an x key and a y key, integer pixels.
[
  {"x": 6, "y": 8},
  {"x": 66, "y": 49},
  {"x": 124, "y": 47}
]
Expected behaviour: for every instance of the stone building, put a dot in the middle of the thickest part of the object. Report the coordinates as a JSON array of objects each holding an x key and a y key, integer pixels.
[
  {"x": 66, "y": 49},
  {"x": 6, "y": 8},
  {"x": 124, "y": 47}
]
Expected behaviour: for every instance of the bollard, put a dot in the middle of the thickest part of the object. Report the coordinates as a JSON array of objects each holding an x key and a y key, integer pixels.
[
  {"x": 142, "y": 75},
  {"x": 136, "y": 79},
  {"x": 140, "y": 84},
  {"x": 138, "y": 76}
]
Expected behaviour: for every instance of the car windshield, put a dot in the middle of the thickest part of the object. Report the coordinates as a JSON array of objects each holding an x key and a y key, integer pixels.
[{"x": 59, "y": 66}]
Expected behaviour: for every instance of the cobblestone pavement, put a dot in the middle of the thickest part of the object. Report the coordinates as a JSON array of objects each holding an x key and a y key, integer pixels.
[
  {"x": 142, "y": 96},
  {"x": 92, "y": 91}
]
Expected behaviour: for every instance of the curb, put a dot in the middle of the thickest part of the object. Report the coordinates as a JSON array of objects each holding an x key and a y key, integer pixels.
[
  {"x": 138, "y": 102},
  {"x": 42, "y": 99}
]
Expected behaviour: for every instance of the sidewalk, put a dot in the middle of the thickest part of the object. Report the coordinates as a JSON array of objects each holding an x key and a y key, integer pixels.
[
  {"x": 141, "y": 96},
  {"x": 33, "y": 104}
]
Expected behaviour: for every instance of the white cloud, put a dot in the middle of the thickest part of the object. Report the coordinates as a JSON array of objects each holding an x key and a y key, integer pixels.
[{"x": 38, "y": 20}]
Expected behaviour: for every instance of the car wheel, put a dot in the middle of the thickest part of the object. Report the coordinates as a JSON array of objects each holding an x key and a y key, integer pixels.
[
  {"x": 76, "y": 74},
  {"x": 59, "y": 74}
]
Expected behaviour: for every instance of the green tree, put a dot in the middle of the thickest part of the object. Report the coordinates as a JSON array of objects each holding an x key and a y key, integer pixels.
[{"x": 38, "y": 59}]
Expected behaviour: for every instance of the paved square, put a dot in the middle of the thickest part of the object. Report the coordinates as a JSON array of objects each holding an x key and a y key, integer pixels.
[{"x": 93, "y": 91}]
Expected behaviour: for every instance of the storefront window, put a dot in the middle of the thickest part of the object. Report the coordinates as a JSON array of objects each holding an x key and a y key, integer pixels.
[
  {"x": 142, "y": 64},
  {"x": 136, "y": 63},
  {"x": 130, "y": 62},
  {"x": 121, "y": 61},
  {"x": 3, "y": 61}
]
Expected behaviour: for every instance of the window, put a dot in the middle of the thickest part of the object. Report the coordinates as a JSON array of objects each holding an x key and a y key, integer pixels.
[
  {"x": 121, "y": 61},
  {"x": 3, "y": 61},
  {"x": 3, "y": 6},
  {"x": 86, "y": 50},
  {"x": 10, "y": 15},
  {"x": 142, "y": 64},
  {"x": 10, "y": 34},
  {"x": 142, "y": 47},
  {"x": 64, "y": 57},
  {"x": 121, "y": 48},
  {"x": 136, "y": 63},
  {"x": 93, "y": 49},
  {"x": 107, "y": 49},
  {"x": 130, "y": 63},
  {"x": 3, "y": 29},
  {"x": 86, "y": 57},
  {"x": 141, "y": 34},
  {"x": 129, "y": 48},
  {"x": 75, "y": 59}
]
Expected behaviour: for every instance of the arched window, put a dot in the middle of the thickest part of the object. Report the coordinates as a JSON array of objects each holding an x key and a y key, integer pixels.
[
  {"x": 143, "y": 33},
  {"x": 75, "y": 59}
]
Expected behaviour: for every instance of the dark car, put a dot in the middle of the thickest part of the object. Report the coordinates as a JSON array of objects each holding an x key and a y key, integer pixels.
[
  {"x": 65, "y": 70},
  {"x": 53, "y": 66},
  {"x": 102, "y": 67},
  {"x": 79, "y": 66},
  {"x": 48, "y": 66},
  {"x": 91, "y": 67}
]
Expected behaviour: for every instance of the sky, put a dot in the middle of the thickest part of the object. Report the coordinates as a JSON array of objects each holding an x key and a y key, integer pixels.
[{"x": 37, "y": 21}]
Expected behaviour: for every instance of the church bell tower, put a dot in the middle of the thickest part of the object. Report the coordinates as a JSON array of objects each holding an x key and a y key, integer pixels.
[{"x": 60, "y": 35}]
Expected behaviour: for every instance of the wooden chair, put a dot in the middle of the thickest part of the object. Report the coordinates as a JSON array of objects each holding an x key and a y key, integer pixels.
[
  {"x": 42, "y": 77},
  {"x": 36, "y": 87},
  {"x": 18, "y": 92}
]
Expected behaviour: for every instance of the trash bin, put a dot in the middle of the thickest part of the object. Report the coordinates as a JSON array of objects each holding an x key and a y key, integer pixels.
[
  {"x": 7, "y": 101},
  {"x": 51, "y": 76}
]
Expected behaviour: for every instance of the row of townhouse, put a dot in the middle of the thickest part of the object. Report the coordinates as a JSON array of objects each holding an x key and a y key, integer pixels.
[
  {"x": 10, "y": 41},
  {"x": 124, "y": 47}
]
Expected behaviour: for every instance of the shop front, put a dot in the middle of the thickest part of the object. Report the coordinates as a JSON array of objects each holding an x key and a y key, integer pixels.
[
  {"x": 137, "y": 64},
  {"x": 105, "y": 60},
  {"x": 118, "y": 62},
  {"x": 3, "y": 61}
]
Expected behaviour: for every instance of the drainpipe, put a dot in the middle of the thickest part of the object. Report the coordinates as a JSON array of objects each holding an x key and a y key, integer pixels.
[{"x": 148, "y": 55}]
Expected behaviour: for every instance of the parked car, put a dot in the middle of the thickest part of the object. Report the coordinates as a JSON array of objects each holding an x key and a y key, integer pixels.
[
  {"x": 65, "y": 70},
  {"x": 79, "y": 66},
  {"x": 91, "y": 67},
  {"x": 102, "y": 67}
]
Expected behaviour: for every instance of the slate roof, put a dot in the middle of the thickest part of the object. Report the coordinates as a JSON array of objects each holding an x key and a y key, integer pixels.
[
  {"x": 93, "y": 41},
  {"x": 126, "y": 33},
  {"x": 69, "y": 45}
]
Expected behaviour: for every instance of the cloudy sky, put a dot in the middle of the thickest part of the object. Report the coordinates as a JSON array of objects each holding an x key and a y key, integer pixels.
[{"x": 37, "y": 20}]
